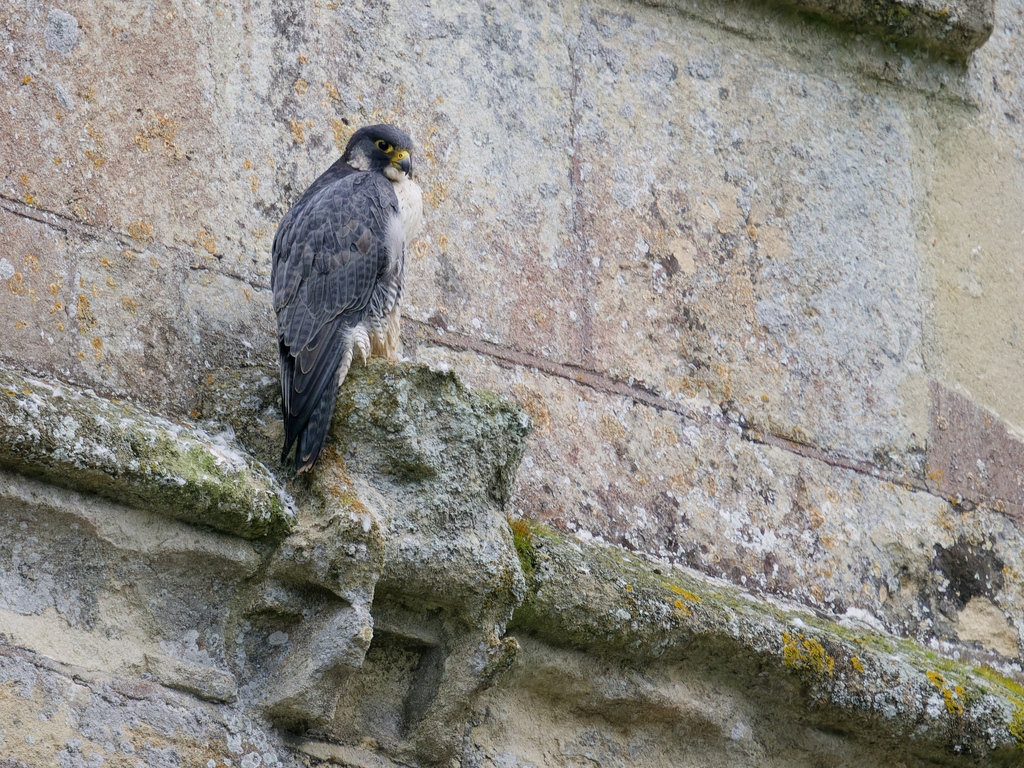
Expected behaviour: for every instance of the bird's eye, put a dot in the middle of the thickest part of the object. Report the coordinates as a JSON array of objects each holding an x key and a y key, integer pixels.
[{"x": 382, "y": 145}]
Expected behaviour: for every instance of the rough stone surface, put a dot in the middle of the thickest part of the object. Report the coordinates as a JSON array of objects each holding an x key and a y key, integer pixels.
[
  {"x": 954, "y": 30},
  {"x": 78, "y": 439},
  {"x": 398, "y": 579},
  {"x": 600, "y": 600},
  {"x": 739, "y": 263}
]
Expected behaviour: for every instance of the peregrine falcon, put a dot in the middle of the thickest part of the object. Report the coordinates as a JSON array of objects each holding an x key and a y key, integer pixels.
[{"x": 338, "y": 274}]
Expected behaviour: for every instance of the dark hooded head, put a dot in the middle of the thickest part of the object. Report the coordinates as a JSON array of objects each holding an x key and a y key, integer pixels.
[{"x": 380, "y": 147}]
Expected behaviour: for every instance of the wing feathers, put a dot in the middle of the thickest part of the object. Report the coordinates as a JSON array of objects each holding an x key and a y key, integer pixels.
[{"x": 338, "y": 265}]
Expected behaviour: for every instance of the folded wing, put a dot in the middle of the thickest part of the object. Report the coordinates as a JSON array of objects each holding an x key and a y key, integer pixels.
[{"x": 330, "y": 256}]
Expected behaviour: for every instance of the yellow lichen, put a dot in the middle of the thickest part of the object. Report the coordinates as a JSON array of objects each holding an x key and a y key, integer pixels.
[
  {"x": 856, "y": 663},
  {"x": 954, "y": 695},
  {"x": 1017, "y": 726},
  {"x": 806, "y": 654},
  {"x": 687, "y": 595}
]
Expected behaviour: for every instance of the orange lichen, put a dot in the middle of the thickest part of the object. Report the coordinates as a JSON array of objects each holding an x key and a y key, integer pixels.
[
  {"x": 342, "y": 132},
  {"x": 522, "y": 539},
  {"x": 208, "y": 241},
  {"x": 301, "y": 86},
  {"x": 611, "y": 428},
  {"x": 532, "y": 401},
  {"x": 97, "y": 346},
  {"x": 338, "y": 482},
  {"x": 96, "y": 154},
  {"x": 141, "y": 231},
  {"x": 298, "y": 130},
  {"x": 162, "y": 127},
  {"x": 16, "y": 283},
  {"x": 86, "y": 319},
  {"x": 128, "y": 304}
]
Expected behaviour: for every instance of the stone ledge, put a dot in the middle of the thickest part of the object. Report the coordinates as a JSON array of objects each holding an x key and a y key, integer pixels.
[
  {"x": 601, "y": 600},
  {"x": 79, "y": 440},
  {"x": 953, "y": 29}
]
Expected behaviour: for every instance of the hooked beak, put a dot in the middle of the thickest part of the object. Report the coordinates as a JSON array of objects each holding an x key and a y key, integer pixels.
[{"x": 403, "y": 162}]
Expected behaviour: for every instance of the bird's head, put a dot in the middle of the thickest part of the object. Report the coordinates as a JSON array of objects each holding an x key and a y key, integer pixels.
[{"x": 382, "y": 148}]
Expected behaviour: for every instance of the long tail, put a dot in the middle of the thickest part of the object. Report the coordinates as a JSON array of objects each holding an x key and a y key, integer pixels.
[
  {"x": 313, "y": 437},
  {"x": 310, "y": 381}
]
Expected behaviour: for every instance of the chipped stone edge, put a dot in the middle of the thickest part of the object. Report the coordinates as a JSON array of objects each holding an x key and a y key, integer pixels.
[
  {"x": 77, "y": 439},
  {"x": 205, "y": 682},
  {"x": 600, "y": 599},
  {"x": 953, "y": 29},
  {"x": 339, "y": 754}
]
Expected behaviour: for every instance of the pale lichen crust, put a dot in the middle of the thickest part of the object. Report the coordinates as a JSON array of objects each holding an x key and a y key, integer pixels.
[
  {"x": 602, "y": 600},
  {"x": 77, "y": 439}
]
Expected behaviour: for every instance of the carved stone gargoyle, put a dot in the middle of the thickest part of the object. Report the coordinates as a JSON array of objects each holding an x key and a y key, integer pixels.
[{"x": 363, "y": 604}]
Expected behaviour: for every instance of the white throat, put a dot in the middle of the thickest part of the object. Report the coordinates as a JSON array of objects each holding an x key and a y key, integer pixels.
[{"x": 410, "y": 202}]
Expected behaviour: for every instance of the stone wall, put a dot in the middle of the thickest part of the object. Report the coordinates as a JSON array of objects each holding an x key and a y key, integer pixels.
[{"x": 754, "y": 272}]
